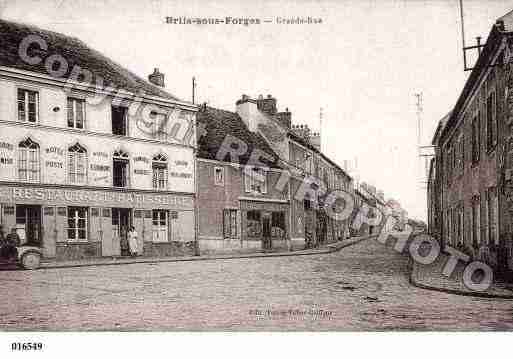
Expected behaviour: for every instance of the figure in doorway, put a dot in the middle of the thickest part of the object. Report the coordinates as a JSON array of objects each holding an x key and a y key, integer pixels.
[
  {"x": 132, "y": 242},
  {"x": 123, "y": 241}
]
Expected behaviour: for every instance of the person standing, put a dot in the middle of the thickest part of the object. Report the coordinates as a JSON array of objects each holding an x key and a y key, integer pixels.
[
  {"x": 9, "y": 249},
  {"x": 132, "y": 242}
]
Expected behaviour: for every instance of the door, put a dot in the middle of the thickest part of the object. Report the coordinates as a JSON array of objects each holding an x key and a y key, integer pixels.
[
  {"x": 266, "y": 231},
  {"x": 121, "y": 222},
  {"x": 160, "y": 225},
  {"x": 28, "y": 224}
]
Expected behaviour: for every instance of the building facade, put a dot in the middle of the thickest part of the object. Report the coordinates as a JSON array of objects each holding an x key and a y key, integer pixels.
[
  {"x": 240, "y": 206},
  {"x": 79, "y": 164},
  {"x": 311, "y": 175},
  {"x": 473, "y": 159}
]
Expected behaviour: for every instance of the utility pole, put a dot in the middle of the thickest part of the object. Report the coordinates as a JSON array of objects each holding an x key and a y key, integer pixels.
[
  {"x": 193, "y": 89},
  {"x": 320, "y": 128},
  {"x": 418, "y": 105}
]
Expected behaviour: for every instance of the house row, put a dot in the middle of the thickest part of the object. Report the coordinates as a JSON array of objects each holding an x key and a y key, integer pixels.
[
  {"x": 88, "y": 150},
  {"x": 470, "y": 178}
]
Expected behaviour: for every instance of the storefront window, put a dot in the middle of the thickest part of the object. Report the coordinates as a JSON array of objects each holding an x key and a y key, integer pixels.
[
  {"x": 254, "y": 224},
  {"x": 77, "y": 223},
  {"x": 77, "y": 164},
  {"x": 278, "y": 225},
  {"x": 28, "y": 161},
  {"x": 159, "y": 166},
  {"x": 160, "y": 225}
]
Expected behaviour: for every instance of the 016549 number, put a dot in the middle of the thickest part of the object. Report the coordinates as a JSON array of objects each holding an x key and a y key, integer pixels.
[{"x": 26, "y": 346}]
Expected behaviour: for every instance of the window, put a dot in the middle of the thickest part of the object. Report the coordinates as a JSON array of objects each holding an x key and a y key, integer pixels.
[
  {"x": 28, "y": 161},
  {"x": 77, "y": 224},
  {"x": 219, "y": 176},
  {"x": 28, "y": 105},
  {"x": 476, "y": 221},
  {"x": 278, "y": 225},
  {"x": 77, "y": 164},
  {"x": 119, "y": 121},
  {"x": 230, "y": 223},
  {"x": 76, "y": 113},
  {"x": 120, "y": 169},
  {"x": 476, "y": 138},
  {"x": 460, "y": 157},
  {"x": 448, "y": 227},
  {"x": 159, "y": 166},
  {"x": 461, "y": 228},
  {"x": 449, "y": 164},
  {"x": 254, "y": 223},
  {"x": 255, "y": 180},
  {"x": 160, "y": 123},
  {"x": 492, "y": 212},
  {"x": 491, "y": 122},
  {"x": 160, "y": 225}
]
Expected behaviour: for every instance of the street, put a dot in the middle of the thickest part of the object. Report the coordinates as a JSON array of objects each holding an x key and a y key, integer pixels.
[{"x": 362, "y": 287}]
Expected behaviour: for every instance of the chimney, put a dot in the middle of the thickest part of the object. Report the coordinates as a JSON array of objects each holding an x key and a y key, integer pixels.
[
  {"x": 248, "y": 112},
  {"x": 284, "y": 118},
  {"x": 157, "y": 78},
  {"x": 267, "y": 105}
]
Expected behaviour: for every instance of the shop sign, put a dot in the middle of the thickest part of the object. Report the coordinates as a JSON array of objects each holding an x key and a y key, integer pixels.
[
  {"x": 180, "y": 174},
  {"x": 80, "y": 196}
]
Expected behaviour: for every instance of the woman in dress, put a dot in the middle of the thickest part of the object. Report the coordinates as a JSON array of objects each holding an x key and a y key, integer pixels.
[{"x": 132, "y": 242}]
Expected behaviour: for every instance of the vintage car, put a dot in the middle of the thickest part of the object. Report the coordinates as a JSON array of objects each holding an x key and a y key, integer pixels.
[{"x": 29, "y": 257}]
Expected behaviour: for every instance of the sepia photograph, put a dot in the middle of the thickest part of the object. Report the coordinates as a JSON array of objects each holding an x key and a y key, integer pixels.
[{"x": 295, "y": 166}]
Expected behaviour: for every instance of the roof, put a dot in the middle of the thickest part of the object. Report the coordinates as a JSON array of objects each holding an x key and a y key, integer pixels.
[
  {"x": 76, "y": 53},
  {"x": 489, "y": 50},
  {"x": 306, "y": 144},
  {"x": 220, "y": 123},
  {"x": 440, "y": 127}
]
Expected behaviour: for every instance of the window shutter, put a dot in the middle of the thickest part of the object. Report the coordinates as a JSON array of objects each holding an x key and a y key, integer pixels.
[{"x": 264, "y": 183}]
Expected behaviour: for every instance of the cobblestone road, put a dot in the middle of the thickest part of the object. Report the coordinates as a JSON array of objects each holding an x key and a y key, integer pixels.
[{"x": 363, "y": 287}]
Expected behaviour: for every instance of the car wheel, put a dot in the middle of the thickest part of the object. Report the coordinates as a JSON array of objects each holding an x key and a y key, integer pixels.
[{"x": 31, "y": 260}]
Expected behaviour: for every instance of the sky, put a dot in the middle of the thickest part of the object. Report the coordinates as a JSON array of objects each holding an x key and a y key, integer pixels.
[{"x": 362, "y": 65}]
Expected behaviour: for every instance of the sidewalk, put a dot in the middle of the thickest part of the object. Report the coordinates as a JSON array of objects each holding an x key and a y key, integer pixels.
[
  {"x": 431, "y": 277},
  {"x": 330, "y": 248}
]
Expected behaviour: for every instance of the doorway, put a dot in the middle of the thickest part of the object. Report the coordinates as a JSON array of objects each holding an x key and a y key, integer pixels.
[
  {"x": 28, "y": 224},
  {"x": 121, "y": 222},
  {"x": 266, "y": 231}
]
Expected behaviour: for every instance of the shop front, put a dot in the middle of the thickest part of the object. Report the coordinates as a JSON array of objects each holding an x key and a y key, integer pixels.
[
  {"x": 265, "y": 222},
  {"x": 71, "y": 223}
]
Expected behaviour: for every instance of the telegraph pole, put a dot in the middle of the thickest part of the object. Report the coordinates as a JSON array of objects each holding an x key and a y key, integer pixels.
[{"x": 193, "y": 89}]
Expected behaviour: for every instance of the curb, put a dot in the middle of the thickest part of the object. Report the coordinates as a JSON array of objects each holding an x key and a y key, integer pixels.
[
  {"x": 414, "y": 283},
  {"x": 329, "y": 249}
]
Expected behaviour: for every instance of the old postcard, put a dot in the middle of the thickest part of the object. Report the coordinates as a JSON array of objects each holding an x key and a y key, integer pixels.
[{"x": 267, "y": 166}]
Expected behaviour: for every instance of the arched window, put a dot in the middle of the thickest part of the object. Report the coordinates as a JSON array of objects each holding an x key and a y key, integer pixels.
[
  {"x": 120, "y": 169},
  {"x": 77, "y": 164},
  {"x": 28, "y": 161},
  {"x": 159, "y": 166}
]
